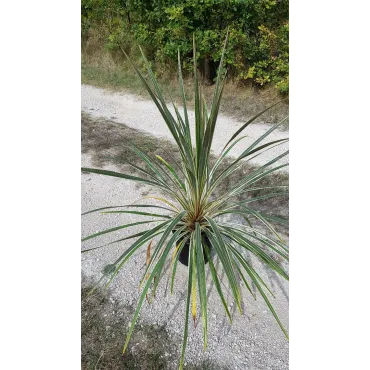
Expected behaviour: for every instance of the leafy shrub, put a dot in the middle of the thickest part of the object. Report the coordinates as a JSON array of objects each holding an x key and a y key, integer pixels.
[{"x": 258, "y": 49}]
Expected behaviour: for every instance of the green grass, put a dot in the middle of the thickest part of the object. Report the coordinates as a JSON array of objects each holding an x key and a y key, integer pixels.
[{"x": 117, "y": 78}]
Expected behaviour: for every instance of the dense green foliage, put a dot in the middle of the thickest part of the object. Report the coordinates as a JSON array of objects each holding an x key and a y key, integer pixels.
[{"x": 258, "y": 48}]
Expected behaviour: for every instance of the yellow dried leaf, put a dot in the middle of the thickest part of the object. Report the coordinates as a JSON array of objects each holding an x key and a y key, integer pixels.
[{"x": 164, "y": 201}]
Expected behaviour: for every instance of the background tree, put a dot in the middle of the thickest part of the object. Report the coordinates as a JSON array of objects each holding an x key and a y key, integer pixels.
[{"x": 258, "y": 49}]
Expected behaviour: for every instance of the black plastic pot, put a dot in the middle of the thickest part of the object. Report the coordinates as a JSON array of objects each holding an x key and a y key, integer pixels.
[{"x": 184, "y": 254}]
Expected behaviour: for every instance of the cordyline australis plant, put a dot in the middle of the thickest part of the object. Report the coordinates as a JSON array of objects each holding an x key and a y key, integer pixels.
[{"x": 191, "y": 231}]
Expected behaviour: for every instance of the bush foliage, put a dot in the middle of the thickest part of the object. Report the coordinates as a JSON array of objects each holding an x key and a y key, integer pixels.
[{"x": 258, "y": 48}]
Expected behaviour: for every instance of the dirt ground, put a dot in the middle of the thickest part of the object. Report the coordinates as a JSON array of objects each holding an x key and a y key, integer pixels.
[{"x": 103, "y": 325}]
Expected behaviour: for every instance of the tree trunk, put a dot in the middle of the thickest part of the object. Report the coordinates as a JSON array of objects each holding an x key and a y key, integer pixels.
[{"x": 209, "y": 71}]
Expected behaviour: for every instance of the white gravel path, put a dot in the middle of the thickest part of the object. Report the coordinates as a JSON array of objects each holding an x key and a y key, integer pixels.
[
  {"x": 142, "y": 114},
  {"x": 253, "y": 341}
]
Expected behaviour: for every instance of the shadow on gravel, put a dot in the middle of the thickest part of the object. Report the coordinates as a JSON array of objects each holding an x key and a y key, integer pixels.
[{"x": 104, "y": 325}]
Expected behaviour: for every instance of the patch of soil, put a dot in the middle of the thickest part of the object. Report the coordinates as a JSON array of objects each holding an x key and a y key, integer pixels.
[{"x": 104, "y": 325}]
